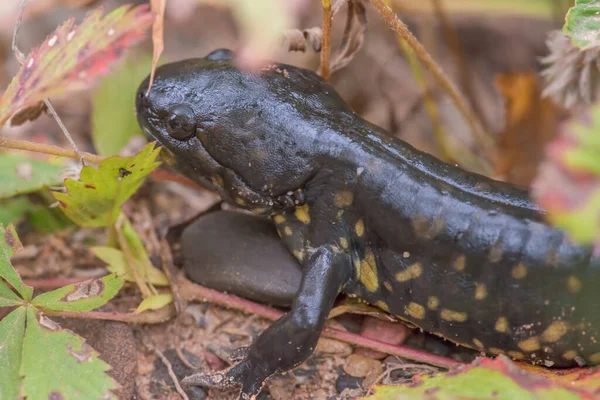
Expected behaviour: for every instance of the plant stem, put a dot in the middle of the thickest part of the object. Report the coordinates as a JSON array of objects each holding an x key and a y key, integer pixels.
[
  {"x": 48, "y": 149},
  {"x": 398, "y": 26},
  {"x": 326, "y": 39}
]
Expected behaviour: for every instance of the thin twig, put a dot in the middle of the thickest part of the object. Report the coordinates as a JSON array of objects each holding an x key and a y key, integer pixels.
[
  {"x": 48, "y": 149},
  {"x": 21, "y": 59},
  {"x": 398, "y": 26},
  {"x": 171, "y": 372},
  {"x": 326, "y": 39},
  {"x": 463, "y": 66},
  {"x": 159, "y": 316}
]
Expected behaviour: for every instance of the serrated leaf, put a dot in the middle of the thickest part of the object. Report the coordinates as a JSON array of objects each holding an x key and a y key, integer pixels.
[
  {"x": 498, "y": 379},
  {"x": 155, "y": 302},
  {"x": 582, "y": 23},
  {"x": 73, "y": 56},
  {"x": 19, "y": 174},
  {"x": 568, "y": 182},
  {"x": 118, "y": 265},
  {"x": 96, "y": 199},
  {"x": 12, "y": 328},
  {"x": 58, "y": 364},
  {"x": 83, "y": 296},
  {"x": 9, "y": 244},
  {"x": 113, "y": 119}
]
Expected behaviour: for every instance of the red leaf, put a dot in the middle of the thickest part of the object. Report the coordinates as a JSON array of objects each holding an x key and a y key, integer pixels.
[{"x": 72, "y": 57}]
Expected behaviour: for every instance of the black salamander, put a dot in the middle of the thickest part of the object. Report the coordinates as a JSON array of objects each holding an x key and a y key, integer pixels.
[{"x": 455, "y": 253}]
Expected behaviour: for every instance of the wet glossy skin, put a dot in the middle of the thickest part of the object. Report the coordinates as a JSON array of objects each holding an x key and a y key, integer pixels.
[{"x": 452, "y": 252}]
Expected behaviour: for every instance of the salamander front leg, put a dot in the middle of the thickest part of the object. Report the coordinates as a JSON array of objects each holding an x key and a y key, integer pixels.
[{"x": 291, "y": 339}]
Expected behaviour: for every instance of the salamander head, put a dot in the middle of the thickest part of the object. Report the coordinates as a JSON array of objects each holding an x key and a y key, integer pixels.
[{"x": 218, "y": 124}]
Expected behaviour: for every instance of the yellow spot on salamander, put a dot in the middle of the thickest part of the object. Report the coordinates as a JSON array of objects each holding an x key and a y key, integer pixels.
[
  {"x": 343, "y": 199},
  {"x": 240, "y": 201},
  {"x": 570, "y": 355},
  {"x": 573, "y": 284},
  {"x": 388, "y": 286},
  {"x": 288, "y": 231},
  {"x": 413, "y": 271},
  {"x": 383, "y": 306},
  {"x": 302, "y": 214},
  {"x": 339, "y": 215},
  {"x": 502, "y": 325},
  {"x": 496, "y": 252},
  {"x": 531, "y": 344},
  {"x": 519, "y": 271},
  {"x": 425, "y": 228},
  {"x": 460, "y": 262},
  {"x": 416, "y": 310},
  {"x": 555, "y": 331},
  {"x": 217, "y": 180},
  {"x": 279, "y": 219},
  {"x": 359, "y": 228},
  {"x": 299, "y": 254},
  {"x": 433, "y": 302},
  {"x": 368, "y": 272},
  {"x": 478, "y": 343},
  {"x": 495, "y": 351},
  {"x": 480, "y": 291},
  {"x": 344, "y": 242},
  {"x": 451, "y": 315},
  {"x": 516, "y": 355},
  {"x": 594, "y": 358}
]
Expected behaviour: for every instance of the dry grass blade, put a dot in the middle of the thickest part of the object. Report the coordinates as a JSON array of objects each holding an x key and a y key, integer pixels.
[
  {"x": 158, "y": 28},
  {"x": 484, "y": 139}
]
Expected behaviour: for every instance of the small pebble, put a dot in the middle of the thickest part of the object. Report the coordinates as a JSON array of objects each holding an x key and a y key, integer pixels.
[
  {"x": 383, "y": 331},
  {"x": 360, "y": 366},
  {"x": 345, "y": 381},
  {"x": 335, "y": 347}
]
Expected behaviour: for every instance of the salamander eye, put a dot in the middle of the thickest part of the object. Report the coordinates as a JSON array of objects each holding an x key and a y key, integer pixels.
[{"x": 181, "y": 122}]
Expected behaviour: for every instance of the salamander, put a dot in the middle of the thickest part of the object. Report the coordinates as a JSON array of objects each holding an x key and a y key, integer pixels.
[{"x": 450, "y": 251}]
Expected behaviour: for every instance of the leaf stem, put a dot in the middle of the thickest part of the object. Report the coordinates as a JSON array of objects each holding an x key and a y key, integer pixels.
[{"x": 485, "y": 141}]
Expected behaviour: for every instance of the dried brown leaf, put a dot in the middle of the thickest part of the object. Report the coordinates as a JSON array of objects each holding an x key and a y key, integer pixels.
[
  {"x": 158, "y": 28},
  {"x": 354, "y": 35}
]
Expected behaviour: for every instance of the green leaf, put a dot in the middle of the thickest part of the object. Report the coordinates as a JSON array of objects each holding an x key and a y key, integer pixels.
[
  {"x": 583, "y": 23},
  {"x": 8, "y": 298},
  {"x": 73, "y": 56},
  {"x": 96, "y": 199},
  {"x": 9, "y": 244},
  {"x": 58, "y": 364},
  {"x": 24, "y": 175},
  {"x": 155, "y": 302},
  {"x": 498, "y": 379},
  {"x": 12, "y": 328},
  {"x": 14, "y": 210},
  {"x": 118, "y": 265},
  {"x": 83, "y": 296},
  {"x": 113, "y": 118}
]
